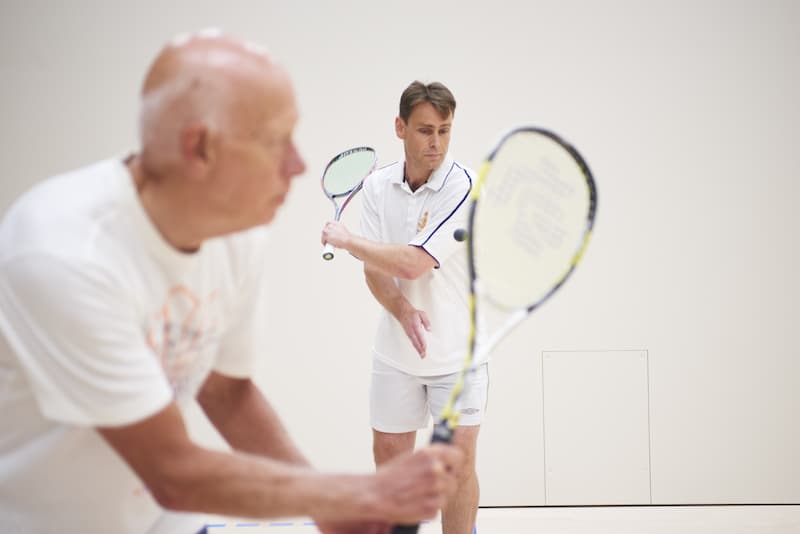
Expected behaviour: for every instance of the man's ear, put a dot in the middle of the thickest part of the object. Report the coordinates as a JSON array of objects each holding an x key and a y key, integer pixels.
[
  {"x": 195, "y": 146},
  {"x": 400, "y": 127}
]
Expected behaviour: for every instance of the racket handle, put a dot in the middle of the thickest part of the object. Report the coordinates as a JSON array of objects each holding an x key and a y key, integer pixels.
[
  {"x": 442, "y": 433},
  {"x": 405, "y": 529},
  {"x": 327, "y": 252}
]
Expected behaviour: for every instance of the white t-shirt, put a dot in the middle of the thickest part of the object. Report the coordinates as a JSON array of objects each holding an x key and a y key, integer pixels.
[
  {"x": 102, "y": 323},
  {"x": 427, "y": 218}
]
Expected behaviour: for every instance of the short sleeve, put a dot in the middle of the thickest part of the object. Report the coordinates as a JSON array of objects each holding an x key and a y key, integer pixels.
[
  {"x": 76, "y": 337},
  {"x": 447, "y": 213}
]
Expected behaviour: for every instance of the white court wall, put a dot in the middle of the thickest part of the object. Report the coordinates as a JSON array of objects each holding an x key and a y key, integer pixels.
[{"x": 687, "y": 113}]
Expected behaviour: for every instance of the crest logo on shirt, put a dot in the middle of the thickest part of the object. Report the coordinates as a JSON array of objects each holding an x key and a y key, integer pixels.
[{"x": 422, "y": 221}]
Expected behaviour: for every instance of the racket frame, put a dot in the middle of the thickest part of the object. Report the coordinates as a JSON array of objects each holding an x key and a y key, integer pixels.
[{"x": 444, "y": 428}]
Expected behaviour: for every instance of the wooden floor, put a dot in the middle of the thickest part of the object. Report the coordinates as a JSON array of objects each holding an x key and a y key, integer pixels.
[{"x": 588, "y": 520}]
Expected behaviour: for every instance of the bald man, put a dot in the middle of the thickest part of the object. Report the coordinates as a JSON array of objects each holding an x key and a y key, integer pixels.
[{"x": 127, "y": 290}]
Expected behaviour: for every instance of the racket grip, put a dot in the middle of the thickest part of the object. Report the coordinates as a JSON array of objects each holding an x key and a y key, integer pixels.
[
  {"x": 327, "y": 252},
  {"x": 405, "y": 529},
  {"x": 442, "y": 433}
]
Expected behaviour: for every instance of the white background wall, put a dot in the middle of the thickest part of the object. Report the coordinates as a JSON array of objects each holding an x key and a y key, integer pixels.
[{"x": 687, "y": 112}]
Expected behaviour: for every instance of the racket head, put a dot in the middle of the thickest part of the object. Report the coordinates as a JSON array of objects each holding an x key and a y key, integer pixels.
[
  {"x": 346, "y": 171},
  {"x": 531, "y": 216},
  {"x": 343, "y": 177}
]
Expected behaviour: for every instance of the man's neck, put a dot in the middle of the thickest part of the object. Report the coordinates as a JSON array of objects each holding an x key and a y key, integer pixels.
[
  {"x": 172, "y": 223},
  {"x": 417, "y": 179}
]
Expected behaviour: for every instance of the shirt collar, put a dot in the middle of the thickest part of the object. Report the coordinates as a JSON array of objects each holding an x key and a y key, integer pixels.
[{"x": 436, "y": 179}]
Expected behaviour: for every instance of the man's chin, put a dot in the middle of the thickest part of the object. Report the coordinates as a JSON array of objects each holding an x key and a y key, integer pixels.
[
  {"x": 272, "y": 211},
  {"x": 267, "y": 219},
  {"x": 434, "y": 163}
]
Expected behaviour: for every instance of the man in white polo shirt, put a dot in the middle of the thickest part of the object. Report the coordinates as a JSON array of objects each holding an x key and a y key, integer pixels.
[{"x": 417, "y": 271}]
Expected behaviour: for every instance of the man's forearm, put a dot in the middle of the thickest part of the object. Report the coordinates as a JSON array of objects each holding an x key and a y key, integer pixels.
[
  {"x": 385, "y": 291},
  {"x": 401, "y": 261},
  {"x": 244, "y": 485},
  {"x": 186, "y": 477}
]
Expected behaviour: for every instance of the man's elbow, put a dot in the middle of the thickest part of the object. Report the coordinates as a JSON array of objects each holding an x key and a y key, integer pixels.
[
  {"x": 413, "y": 271},
  {"x": 408, "y": 272},
  {"x": 177, "y": 486},
  {"x": 171, "y": 495}
]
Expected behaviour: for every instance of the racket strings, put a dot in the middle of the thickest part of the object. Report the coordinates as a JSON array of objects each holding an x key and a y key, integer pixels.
[
  {"x": 530, "y": 219},
  {"x": 347, "y": 170}
]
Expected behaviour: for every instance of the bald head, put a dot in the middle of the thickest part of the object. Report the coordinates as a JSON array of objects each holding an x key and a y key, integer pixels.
[
  {"x": 201, "y": 54},
  {"x": 209, "y": 80}
]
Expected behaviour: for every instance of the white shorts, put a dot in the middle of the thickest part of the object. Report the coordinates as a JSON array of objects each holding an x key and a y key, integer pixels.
[{"x": 400, "y": 402}]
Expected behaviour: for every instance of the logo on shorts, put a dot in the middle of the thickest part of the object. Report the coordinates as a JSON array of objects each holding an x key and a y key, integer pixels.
[{"x": 469, "y": 411}]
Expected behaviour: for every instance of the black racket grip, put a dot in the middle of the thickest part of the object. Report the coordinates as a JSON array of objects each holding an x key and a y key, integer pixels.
[
  {"x": 442, "y": 433},
  {"x": 405, "y": 529}
]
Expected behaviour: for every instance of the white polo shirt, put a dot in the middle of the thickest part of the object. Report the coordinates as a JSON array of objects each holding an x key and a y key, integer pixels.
[{"x": 427, "y": 218}]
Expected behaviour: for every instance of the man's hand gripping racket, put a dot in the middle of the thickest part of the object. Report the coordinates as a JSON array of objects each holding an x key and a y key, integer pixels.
[
  {"x": 532, "y": 210},
  {"x": 343, "y": 177}
]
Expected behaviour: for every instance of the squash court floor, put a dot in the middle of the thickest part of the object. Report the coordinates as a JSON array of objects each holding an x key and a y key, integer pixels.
[{"x": 717, "y": 519}]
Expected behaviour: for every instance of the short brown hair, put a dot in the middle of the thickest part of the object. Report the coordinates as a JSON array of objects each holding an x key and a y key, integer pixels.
[{"x": 435, "y": 93}]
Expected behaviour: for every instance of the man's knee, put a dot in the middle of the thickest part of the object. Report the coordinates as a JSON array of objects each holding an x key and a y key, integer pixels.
[{"x": 386, "y": 446}]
